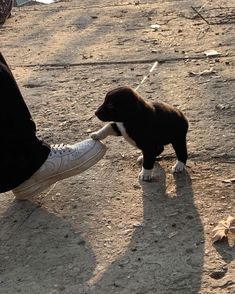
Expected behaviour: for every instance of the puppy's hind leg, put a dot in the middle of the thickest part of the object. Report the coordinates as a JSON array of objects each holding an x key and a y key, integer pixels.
[
  {"x": 180, "y": 147},
  {"x": 104, "y": 132}
]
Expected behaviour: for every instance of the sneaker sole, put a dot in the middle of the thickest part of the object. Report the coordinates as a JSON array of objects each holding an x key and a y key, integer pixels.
[{"x": 39, "y": 187}]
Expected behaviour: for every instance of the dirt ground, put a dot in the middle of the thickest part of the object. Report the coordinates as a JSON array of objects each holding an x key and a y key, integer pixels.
[{"x": 103, "y": 231}]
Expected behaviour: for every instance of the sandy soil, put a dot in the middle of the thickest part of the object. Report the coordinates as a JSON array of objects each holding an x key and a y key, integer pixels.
[{"x": 103, "y": 231}]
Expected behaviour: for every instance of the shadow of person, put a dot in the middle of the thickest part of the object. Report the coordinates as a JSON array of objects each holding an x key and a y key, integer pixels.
[
  {"x": 41, "y": 252},
  {"x": 166, "y": 251}
]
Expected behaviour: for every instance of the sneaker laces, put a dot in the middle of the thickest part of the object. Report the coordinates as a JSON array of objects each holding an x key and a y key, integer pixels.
[{"x": 59, "y": 149}]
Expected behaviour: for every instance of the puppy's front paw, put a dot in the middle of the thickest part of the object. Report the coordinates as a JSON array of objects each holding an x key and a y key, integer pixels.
[
  {"x": 145, "y": 175},
  {"x": 95, "y": 136},
  {"x": 178, "y": 167}
]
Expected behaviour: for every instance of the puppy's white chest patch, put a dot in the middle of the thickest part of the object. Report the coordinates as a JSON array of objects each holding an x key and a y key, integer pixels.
[{"x": 124, "y": 133}]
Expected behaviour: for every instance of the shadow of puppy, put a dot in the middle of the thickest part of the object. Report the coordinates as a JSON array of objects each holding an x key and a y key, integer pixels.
[{"x": 165, "y": 254}]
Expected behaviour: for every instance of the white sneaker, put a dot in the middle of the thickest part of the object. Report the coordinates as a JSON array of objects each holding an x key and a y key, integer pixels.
[{"x": 63, "y": 161}]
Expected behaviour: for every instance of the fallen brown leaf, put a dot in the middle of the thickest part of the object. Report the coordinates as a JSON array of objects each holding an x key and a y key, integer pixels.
[{"x": 225, "y": 229}]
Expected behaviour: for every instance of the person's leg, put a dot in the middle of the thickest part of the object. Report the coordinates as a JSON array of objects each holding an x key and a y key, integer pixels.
[
  {"x": 21, "y": 152},
  {"x": 5, "y": 10},
  {"x": 28, "y": 165}
]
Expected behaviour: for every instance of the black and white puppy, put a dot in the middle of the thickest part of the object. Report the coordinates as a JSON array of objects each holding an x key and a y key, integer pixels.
[{"x": 148, "y": 126}]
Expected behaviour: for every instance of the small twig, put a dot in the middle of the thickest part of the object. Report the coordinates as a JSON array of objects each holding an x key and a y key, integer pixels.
[
  {"x": 205, "y": 72},
  {"x": 199, "y": 14},
  {"x": 165, "y": 59},
  {"x": 202, "y": 33},
  {"x": 52, "y": 188},
  {"x": 148, "y": 75},
  {"x": 203, "y": 6}
]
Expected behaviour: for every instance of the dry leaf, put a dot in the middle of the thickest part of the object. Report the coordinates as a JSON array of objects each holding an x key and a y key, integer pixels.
[
  {"x": 229, "y": 181},
  {"x": 212, "y": 52},
  {"x": 225, "y": 229},
  {"x": 205, "y": 72},
  {"x": 155, "y": 26},
  {"x": 173, "y": 234}
]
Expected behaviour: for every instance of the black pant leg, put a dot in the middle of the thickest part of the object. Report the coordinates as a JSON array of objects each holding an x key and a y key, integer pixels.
[{"x": 21, "y": 152}]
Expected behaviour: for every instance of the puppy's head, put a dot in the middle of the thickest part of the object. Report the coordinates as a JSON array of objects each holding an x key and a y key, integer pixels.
[{"x": 119, "y": 105}]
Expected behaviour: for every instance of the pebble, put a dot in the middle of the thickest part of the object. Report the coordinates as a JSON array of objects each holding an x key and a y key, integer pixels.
[{"x": 218, "y": 274}]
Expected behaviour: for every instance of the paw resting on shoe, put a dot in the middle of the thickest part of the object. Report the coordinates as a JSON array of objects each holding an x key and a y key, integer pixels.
[
  {"x": 178, "y": 167},
  {"x": 145, "y": 175}
]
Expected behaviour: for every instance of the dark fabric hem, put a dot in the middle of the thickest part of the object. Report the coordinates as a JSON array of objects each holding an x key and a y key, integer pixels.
[{"x": 10, "y": 179}]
